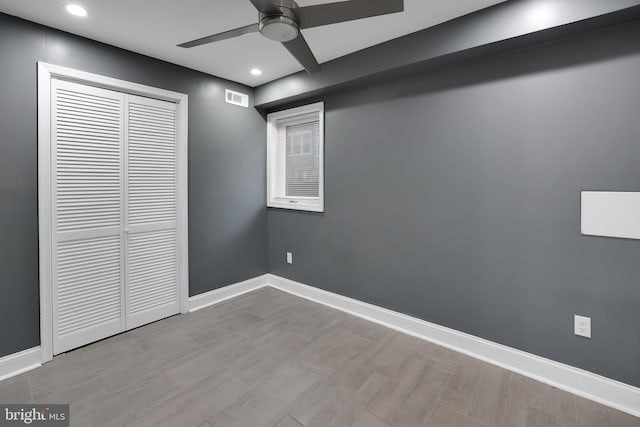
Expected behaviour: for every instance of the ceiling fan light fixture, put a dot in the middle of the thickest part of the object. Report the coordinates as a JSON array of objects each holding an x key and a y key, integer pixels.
[{"x": 279, "y": 28}]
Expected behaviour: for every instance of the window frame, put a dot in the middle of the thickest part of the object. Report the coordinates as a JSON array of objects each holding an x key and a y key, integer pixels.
[{"x": 310, "y": 204}]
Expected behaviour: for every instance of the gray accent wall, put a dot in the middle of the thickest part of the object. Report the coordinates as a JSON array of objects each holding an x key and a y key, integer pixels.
[
  {"x": 453, "y": 195},
  {"x": 227, "y": 218}
]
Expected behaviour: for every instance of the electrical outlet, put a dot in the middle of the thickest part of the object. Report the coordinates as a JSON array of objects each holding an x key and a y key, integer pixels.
[
  {"x": 582, "y": 326},
  {"x": 289, "y": 258}
]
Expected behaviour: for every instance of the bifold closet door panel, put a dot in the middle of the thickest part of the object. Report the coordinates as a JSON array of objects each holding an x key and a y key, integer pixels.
[
  {"x": 87, "y": 131},
  {"x": 151, "y": 211}
]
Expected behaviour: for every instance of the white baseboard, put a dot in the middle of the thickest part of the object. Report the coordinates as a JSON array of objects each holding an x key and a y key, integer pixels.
[
  {"x": 574, "y": 380},
  {"x": 17, "y": 363},
  {"x": 218, "y": 295}
]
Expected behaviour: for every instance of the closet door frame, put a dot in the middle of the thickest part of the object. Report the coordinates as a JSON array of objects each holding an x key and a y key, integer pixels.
[{"x": 47, "y": 72}]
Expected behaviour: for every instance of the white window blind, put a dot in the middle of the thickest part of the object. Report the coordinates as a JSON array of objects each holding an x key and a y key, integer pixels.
[{"x": 295, "y": 158}]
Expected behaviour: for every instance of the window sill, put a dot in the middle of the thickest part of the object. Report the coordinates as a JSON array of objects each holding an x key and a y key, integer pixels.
[{"x": 297, "y": 205}]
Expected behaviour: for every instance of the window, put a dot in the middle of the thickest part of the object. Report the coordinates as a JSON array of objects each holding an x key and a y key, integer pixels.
[{"x": 295, "y": 150}]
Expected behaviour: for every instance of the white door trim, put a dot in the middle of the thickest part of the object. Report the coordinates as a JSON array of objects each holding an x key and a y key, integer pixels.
[{"x": 46, "y": 72}]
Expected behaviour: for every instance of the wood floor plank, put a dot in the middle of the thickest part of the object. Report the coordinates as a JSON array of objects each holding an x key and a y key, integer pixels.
[
  {"x": 422, "y": 400},
  {"x": 343, "y": 391},
  {"x": 459, "y": 391},
  {"x": 365, "y": 328},
  {"x": 391, "y": 397},
  {"x": 368, "y": 420},
  {"x": 320, "y": 404},
  {"x": 490, "y": 395},
  {"x": 192, "y": 369},
  {"x": 268, "y": 401},
  {"x": 234, "y": 324},
  {"x": 437, "y": 356},
  {"x": 445, "y": 416},
  {"x": 124, "y": 405},
  {"x": 328, "y": 355},
  {"x": 15, "y": 390},
  {"x": 360, "y": 368},
  {"x": 271, "y": 301},
  {"x": 281, "y": 320},
  {"x": 227, "y": 348},
  {"x": 196, "y": 404},
  {"x": 620, "y": 419},
  {"x": 479, "y": 390},
  {"x": 393, "y": 352},
  {"x": 269, "y": 352},
  {"x": 265, "y": 355},
  {"x": 591, "y": 414},
  {"x": 531, "y": 403},
  {"x": 147, "y": 365},
  {"x": 355, "y": 406},
  {"x": 287, "y": 421},
  {"x": 64, "y": 372},
  {"x": 91, "y": 388}
]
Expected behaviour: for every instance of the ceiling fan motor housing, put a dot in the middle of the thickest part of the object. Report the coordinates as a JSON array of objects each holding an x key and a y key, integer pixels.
[{"x": 280, "y": 25}]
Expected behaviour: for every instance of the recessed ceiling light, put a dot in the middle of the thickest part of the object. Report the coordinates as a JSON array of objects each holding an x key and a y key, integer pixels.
[
  {"x": 256, "y": 71},
  {"x": 542, "y": 14},
  {"x": 76, "y": 10}
]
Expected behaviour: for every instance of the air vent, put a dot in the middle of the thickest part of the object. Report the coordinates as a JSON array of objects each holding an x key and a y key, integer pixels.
[{"x": 236, "y": 98}]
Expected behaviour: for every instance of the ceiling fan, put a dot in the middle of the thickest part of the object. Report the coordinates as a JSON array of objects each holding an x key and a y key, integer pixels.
[{"x": 282, "y": 20}]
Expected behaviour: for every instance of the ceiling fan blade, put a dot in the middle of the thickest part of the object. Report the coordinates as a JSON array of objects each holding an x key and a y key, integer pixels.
[
  {"x": 299, "y": 48},
  {"x": 222, "y": 36},
  {"x": 332, "y": 13},
  {"x": 265, "y": 6}
]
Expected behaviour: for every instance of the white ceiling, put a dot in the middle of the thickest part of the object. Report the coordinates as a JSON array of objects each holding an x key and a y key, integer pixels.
[{"x": 155, "y": 27}]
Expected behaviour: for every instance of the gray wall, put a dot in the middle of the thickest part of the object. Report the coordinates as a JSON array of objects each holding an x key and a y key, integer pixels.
[
  {"x": 227, "y": 223},
  {"x": 454, "y": 196}
]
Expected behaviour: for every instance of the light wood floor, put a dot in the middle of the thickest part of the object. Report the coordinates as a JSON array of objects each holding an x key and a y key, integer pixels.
[{"x": 270, "y": 359}]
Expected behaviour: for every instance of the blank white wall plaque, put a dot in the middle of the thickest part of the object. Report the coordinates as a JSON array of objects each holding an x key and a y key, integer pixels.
[{"x": 611, "y": 214}]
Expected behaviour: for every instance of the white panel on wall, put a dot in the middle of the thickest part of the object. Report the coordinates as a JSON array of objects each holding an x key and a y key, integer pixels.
[{"x": 611, "y": 214}]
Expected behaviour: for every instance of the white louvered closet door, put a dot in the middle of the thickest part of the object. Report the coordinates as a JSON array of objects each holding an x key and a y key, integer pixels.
[
  {"x": 87, "y": 127},
  {"x": 151, "y": 211},
  {"x": 115, "y": 219}
]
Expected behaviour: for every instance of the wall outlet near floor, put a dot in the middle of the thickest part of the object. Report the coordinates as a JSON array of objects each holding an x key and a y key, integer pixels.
[
  {"x": 289, "y": 258},
  {"x": 582, "y": 326}
]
